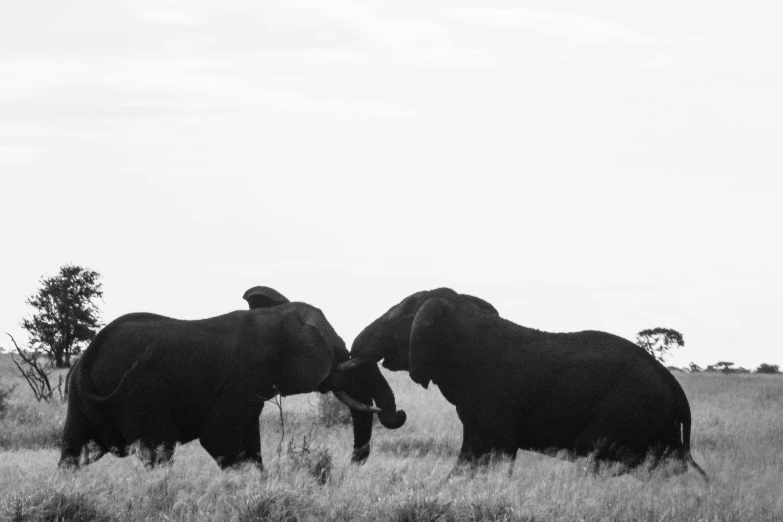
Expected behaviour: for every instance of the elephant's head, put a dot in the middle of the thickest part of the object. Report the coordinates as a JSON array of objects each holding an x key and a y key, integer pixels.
[
  {"x": 389, "y": 337},
  {"x": 309, "y": 329}
]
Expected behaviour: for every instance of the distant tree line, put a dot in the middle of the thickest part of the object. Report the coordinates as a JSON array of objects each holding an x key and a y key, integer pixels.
[
  {"x": 658, "y": 342},
  {"x": 728, "y": 367}
]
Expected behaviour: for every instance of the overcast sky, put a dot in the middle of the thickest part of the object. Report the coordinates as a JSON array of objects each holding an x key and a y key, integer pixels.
[{"x": 581, "y": 165}]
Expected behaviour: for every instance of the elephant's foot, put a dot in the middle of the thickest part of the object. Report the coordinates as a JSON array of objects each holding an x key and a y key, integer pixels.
[
  {"x": 463, "y": 469},
  {"x": 242, "y": 459},
  {"x": 360, "y": 454},
  {"x": 69, "y": 462},
  {"x": 153, "y": 456}
]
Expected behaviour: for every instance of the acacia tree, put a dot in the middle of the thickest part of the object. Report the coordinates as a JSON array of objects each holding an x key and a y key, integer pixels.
[
  {"x": 66, "y": 316},
  {"x": 659, "y": 341},
  {"x": 722, "y": 366}
]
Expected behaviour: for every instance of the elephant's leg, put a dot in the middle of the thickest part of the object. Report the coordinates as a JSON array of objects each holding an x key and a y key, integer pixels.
[
  {"x": 597, "y": 442},
  {"x": 251, "y": 440},
  {"x": 151, "y": 424},
  {"x": 77, "y": 433},
  {"x": 224, "y": 443},
  {"x": 154, "y": 436},
  {"x": 162, "y": 454},
  {"x": 94, "y": 450},
  {"x": 481, "y": 445}
]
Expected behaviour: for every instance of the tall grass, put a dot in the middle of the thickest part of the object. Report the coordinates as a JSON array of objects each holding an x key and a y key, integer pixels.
[{"x": 737, "y": 438}]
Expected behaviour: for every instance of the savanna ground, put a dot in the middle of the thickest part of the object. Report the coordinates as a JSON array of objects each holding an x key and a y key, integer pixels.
[{"x": 737, "y": 439}]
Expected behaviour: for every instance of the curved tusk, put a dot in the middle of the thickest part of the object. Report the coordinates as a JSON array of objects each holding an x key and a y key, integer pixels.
[
  {"x": 351, "y": 364},
  {"x": 354, "y": 404}
]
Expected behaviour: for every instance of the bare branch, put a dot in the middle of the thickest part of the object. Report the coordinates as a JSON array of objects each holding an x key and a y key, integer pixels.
[{"x": 35, "y": 375}]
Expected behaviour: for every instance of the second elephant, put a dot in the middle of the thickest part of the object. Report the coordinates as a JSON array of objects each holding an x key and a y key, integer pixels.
[{"x": 588, "y": 393}]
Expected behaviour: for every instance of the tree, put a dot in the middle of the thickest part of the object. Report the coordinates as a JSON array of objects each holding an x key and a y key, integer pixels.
[
  {"x": 66, "y": 317},
  {"x": 722, "y": 366},
  {"x": 768, "y": 368},
  {"x": 658, "y": 341},
  {"x": 693, "y": 367}
]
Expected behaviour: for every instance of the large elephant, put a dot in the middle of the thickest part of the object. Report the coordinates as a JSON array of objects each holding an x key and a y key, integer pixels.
[
  {"x": 589, "y": 393},
  {"x": 159, "y": 381}
]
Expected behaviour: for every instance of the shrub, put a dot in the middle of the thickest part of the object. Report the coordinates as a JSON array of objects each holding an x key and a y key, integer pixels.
[
  {"x": 41, "y": 436},
  {"x": 418, "y": 447},
  {"x": 48, "y": 506},
  {"x": 274, "y": 506},
  {"x": 768, "y": 368},
  {"x": 32, "y": 426},
  {"x": 5, "y": 393},
  {"x": 74, "y": 508},
  {"x": 319, "y": 465},
  {"x": 331, "y": 412}
]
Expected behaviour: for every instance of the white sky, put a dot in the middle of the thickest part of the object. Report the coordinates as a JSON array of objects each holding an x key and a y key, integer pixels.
[{"x": 601, "y": 165}]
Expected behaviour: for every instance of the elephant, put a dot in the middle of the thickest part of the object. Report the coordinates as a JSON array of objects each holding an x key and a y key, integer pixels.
[
  {"x": 159, "y": 381},
  {"x": 587, "y": 393}
]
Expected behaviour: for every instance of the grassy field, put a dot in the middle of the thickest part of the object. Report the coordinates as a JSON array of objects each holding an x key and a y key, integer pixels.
[{"x": 737, "y": 439}]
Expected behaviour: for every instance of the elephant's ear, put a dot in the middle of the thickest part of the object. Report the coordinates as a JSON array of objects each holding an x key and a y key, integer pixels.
[
  {"x": 480, "y": 303},
  {"x": 263, "y": 297},
  {"x": 305, "y": 354},
  {"x": 430, "y": 331}
]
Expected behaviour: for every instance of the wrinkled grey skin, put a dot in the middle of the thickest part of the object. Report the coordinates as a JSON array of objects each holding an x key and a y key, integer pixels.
[
  {"x": 159, "y": 381},
  {"x": 588, "y": 393}
]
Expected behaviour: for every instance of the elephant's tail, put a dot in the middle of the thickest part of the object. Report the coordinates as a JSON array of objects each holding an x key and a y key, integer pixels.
[
  {"x": 686, "y": 447},
  {"x": 96, "y": 399},
  {"x": 142, "y": 358}
]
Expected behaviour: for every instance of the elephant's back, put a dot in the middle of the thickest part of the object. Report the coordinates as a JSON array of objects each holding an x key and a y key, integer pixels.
[
  {"x": 117, "y": 346},
  {"x": 595, "y": 378}
]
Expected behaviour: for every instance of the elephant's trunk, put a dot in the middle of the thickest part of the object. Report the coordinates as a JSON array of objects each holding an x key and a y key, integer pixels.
[
  {"x": 366, "y": 384},
  {"x": 375, "y": 388},
  {"x": 383, "y": 395}
]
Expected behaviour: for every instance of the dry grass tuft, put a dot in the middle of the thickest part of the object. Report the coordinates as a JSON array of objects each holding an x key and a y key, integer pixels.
[
  {"x": 277, "y": 506},
  {"x": 418, "y": 447},
  {"x": 331, "y": 412},
  {"x": 53, "y": 506}
]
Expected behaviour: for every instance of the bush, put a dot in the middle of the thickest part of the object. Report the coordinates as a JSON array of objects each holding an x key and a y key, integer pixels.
[
  {"x": 273, "y": 506},
  {"x": 30, "y": 426},
  {"x": 319, "y": 465},
  {"x": 5, "y": 393},
  {"x": 49, "y": 506},
  {"x": 331, "y": 412},
  {"x": 418, "y": 447},
  {"x": 768, "y": 368}
]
